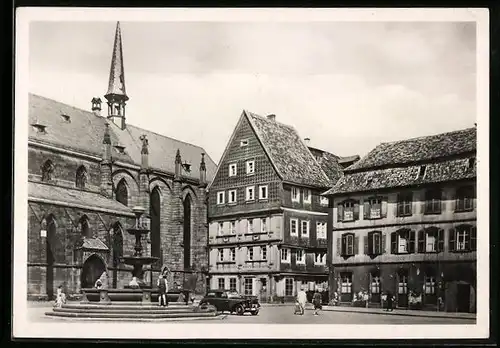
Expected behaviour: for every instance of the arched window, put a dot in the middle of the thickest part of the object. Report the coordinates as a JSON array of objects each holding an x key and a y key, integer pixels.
[
  {"x": 155, "y": 214},
  {"x": 81, "y": 177},
  {"x": 187, "y": 232},
  {"x": 84, "y": 227},
  {"x": 122, "y": 192},
  {"x": 117, "y": 251},
  {"x": 47, "y": 170}
]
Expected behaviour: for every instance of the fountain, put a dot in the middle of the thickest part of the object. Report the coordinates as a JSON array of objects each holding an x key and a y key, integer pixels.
[
  {"x": 137, "y": 261},
  {"x": 134, "y": 302}
]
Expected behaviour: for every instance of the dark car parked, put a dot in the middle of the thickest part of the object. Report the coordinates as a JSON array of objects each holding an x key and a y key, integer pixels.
[{"x": 231, "y": 301}]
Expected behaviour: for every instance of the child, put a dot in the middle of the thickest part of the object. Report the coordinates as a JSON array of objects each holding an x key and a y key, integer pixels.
[{"x": 60, "y": 297}]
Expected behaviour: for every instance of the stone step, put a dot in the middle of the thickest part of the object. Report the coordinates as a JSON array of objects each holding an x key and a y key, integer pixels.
[
  {"x": 113, "y": 306},
  {"x": 131, "y": 315},
  {"x": 123, "y": 311}
]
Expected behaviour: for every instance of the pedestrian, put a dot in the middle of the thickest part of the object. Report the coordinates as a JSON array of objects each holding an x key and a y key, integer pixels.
[
  {"x": 302, "y": 300},
  {"x": 162, "y": 291},
  {"x": 316, "y": 302},
  {"x": 60, "y": 297},
  {"x": 390, "y": 299}
]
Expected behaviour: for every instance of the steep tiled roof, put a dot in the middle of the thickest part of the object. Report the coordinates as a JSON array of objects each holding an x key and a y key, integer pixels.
[
  {"x": 419, "y": 149},
  {"x": 329, "y": 163},
  {"x": 84, "y": 132},
  {"x": 67, "y": 196},
  {"x": 456, "y": 169},
  {"x": 289, "y": 154}
]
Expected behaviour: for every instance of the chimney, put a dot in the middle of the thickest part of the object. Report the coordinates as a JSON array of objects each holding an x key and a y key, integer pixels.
[
  {"x": 271, "y": 117},
  {"x": 307, "y": 141},
  {"x": 96, "y": 106}
]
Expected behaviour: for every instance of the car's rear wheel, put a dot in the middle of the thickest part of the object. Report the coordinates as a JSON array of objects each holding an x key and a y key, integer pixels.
[{"x": 239, "y": 309}]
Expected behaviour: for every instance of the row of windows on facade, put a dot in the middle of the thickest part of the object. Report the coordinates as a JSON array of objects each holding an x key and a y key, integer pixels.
[
  {"x": 429, "y": 285},
  {"x": 263, "y": 194},
  {"x": 248, "y": 285},
  {"x": 48, "y": 173},
  {"x": 289, "y": 285},
  {"x": 321, "y": 228},
  {"x": 430, "y": 240},
  {"x": 373, "y": 208},
  {"x": 229, "y": 255}
]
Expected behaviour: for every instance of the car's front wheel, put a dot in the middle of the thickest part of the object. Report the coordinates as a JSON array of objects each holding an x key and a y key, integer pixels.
[
  {"x": 239, "y": 309},
  {"x": 255, "y": 312}
]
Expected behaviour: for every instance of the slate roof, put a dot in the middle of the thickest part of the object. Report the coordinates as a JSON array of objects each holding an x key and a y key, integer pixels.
[
  {"x": 84, "y": 133},
  {"x": 67, "y": 196},
  {"x": 289, "y": 154},
  {"x": 456, "y": 169},
  {"x": 329, "y": 163},
  {"x": 446, "y": 157},
  {"x": 425, "y": 148}
]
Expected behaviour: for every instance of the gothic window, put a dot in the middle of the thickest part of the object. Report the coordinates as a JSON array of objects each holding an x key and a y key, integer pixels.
[
  {"x": 122, "y": 192},
  {"x": 81, "y": 177},
  {"x": 47, "y": 170}
]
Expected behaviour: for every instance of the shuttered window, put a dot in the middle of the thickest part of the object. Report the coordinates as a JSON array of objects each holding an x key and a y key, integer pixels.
[
  {"x": 463, "y": 238},
  {"x": 433, "y": 201},
  {"x": 348, "y": 211},
  {"x": 373, "y": 243},
  {"x": 464, "y": 199},
  {"x": 349, "y": 244},
  {"x": 403, "y": 242},
  {"x": 404, "y": 205}
]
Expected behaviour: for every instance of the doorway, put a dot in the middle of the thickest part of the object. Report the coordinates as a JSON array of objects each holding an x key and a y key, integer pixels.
[
  {"x": 463, "y": 298},
  {"x": 92, "y": 270}
]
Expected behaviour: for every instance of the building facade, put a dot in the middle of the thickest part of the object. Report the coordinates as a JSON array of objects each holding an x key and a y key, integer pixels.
[
  {"x": 267, "y": 221},
  {"x": 88, "y": 172},
  {"x": 404, "y": 222}
]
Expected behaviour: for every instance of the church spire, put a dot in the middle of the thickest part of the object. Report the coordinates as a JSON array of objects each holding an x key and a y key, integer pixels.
[{"x": 116, "y": 94}]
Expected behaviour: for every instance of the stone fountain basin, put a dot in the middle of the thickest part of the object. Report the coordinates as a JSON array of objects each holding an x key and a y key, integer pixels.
[
  {"x": 138, "y": 260},
  {"x": 133, "y": 294},
  {"x": 137, "y": 231}
]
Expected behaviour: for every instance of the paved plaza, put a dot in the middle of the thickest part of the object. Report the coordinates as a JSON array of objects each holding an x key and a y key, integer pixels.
[{"x": 283, "y": 314}]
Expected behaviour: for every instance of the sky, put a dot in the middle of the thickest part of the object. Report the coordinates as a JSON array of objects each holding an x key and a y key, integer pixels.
[{"x": 347, "y": 86}]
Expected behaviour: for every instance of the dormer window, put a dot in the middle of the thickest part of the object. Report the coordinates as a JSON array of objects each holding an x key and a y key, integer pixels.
[
  {"x": 244, "y": 142},
  {"x": 120, "y": 149},
  {"x": 39, "y": 128},
  {"x": 421, "y": 172},
  {"x": 66, "y": 118}
]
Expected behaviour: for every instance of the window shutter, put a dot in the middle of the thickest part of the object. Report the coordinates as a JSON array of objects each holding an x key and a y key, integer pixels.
[
  {"x": 473, "y": 244},
  {"x": 344, "y": 244},
  {"x": 356, "y": 211},
  {"x": 339, "y": 246},
  {"x": 383, "y": 248},
  {"x": 356, "y": 245},
  {"x": 366, "y": 210},
  {"x": 370, "y": 243},
  {"x": 451, "y": 239},
  {"x": 411, "y": 248},
  {"x": 421, "y": 241},
  {"x": 440, "y": 241},
  {"x": 394, "y": 245},
  {"x": 383, "y": 207},
  {"x": 366, "y": 243},
  {"x": 340, "y": 212}
]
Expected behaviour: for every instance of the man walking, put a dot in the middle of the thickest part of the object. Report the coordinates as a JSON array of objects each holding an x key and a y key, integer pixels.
[{"x": 162, "y": 291}]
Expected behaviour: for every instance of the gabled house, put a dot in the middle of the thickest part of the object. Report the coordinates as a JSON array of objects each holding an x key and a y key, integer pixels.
[
  {"x": 267, "y": 220},
  {"x": 404, "y": 221}
]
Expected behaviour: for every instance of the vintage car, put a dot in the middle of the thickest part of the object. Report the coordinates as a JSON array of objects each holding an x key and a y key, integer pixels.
[{"x": 231, "y": 301}]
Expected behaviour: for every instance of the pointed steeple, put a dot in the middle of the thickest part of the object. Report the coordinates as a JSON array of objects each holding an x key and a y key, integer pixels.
[{"x": 116, "y": 94}]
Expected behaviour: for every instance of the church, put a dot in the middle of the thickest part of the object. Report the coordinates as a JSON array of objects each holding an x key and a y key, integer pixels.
[{"x": 87, "y": 174}]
